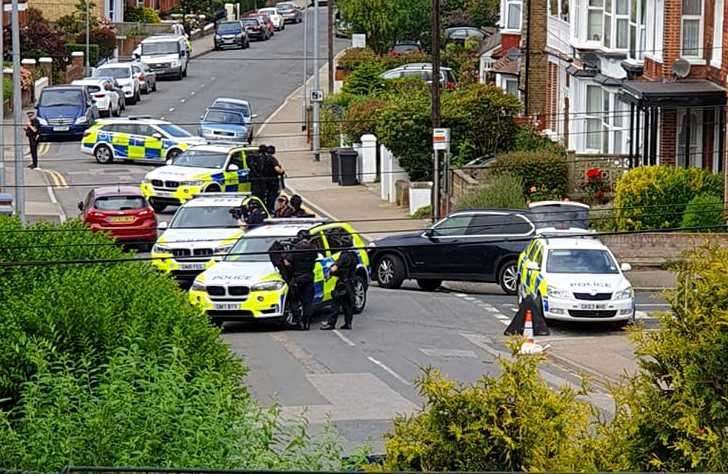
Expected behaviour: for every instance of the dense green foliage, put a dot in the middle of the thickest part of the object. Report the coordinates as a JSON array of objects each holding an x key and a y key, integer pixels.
[
  {"x": 365, "y": 80},
  {"x": 655, "y": 197},
  {"x": 361, "y": 117},
  {"x": 505, "y": 192},
  {"x": 514, "y": 422},
  {"x": 544, "y": 174},
  {"x": 108, "y": 364},
  {"x": 141, "y": 14},
  {"x": 93, "y": 50},
  {"x": 704, "y": 210}
]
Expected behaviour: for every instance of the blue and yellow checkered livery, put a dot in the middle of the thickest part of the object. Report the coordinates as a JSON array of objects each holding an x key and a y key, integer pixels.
[{"x": 126, "y": 146}]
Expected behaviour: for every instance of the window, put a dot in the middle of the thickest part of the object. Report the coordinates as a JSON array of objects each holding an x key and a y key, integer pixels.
[
  {"x": 559, "y": 9},
  {"x": 237, "y": 159},
  {"x": 513, "y": 15},
  {"x": 593, "y": 121},
  {"x": 606, "y": 121},
  {"x": 655, "y": 25},
  {"x": 695, "y": 150},
  {"x": 595, "y": 18},
  {"x": 716, "y": 56},
  {"x": 455, "y": 225},
  {"x": 511, "y": 86},
  {"x": 691, "y": 27},
  {"x": 623, "y": 25},
  {"x": 498, "y": 224}
]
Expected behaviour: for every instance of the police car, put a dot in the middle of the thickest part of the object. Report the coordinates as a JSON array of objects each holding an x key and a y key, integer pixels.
[
  {"x": 137, "y": 139},
  {"x": 203, "y": 168},
  {"x": 201, "y": 230},
  {"x": 246, "y": 286},
  {"x": 575, "y": 279}
]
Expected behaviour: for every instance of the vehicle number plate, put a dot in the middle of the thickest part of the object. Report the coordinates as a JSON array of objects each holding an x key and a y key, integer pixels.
[
  {"x": 61, "y": 129},
  {"x": 593, "y": 306},
  {"x": 121, "y": 219},
  {"x": 227, "y": 306},
  {"x": 192, "y": 266},
  {"x": 162, "y": 193}
]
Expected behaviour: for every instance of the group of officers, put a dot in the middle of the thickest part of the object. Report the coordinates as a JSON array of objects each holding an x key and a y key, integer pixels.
[{"x": 296, "y": 259}]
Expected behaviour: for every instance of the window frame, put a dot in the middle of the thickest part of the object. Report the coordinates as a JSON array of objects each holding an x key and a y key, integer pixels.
[
  {"x": 508, "y": 4},
  {"x": 691, "y": 17},
  {"x": 716, "y": 55}
]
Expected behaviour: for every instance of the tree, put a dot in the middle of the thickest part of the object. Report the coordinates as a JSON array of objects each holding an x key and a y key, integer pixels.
[
  {"x": 483, "y": 12},
  {"x": 75, "y": 22},
  {"x": 38, "y": 39}
]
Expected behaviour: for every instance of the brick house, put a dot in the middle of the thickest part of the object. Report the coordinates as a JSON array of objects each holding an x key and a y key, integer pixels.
[
  {"x": 54, "y": 9},
  {"x": 641, "y": 78}
]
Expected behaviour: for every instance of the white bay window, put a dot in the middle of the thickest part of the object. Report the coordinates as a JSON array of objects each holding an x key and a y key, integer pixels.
[
  {"x": 716, "y": 58},
  {"x": 511, "y": 15}
]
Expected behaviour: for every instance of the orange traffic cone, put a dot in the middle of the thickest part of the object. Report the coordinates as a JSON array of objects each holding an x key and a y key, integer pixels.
[{"x": 530, "y": 346}]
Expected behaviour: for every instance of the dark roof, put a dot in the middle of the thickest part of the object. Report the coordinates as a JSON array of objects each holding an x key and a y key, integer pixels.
[
  {"x": 490, "y": 42},
  {"x": 506, "y": 65},
  {"x": 118, "y": 191},
  {"x": 691, "y": 92}
]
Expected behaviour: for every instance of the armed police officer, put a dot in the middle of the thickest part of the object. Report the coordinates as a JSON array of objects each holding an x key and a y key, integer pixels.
[
  {"x": 343, "y": 295},
  {"x": 299, "y": 262}
]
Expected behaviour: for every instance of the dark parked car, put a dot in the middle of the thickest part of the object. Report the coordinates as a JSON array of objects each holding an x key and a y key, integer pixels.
[
  {"x": 403, "y": 48},
  {"x": 65, "y": 111},
  {"x": 231, "y": 33}
]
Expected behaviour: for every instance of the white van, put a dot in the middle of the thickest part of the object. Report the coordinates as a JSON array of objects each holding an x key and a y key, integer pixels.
[{"x": 166, "y": 55}]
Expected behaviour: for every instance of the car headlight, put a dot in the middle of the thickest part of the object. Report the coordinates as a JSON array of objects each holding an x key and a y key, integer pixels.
[
  {"x": 192, "y": 183},
  {"x": 557, "y": 292},
  {"x": 268, "y": 286},
  {"x": 160, "y": 249},
  {"x": 625, "y": 294},
  {"x": 175, "y": 63},
  {"x": 42, "y": 121},
  {"x": 126, "y": 88},
  {"x": 197, "y": 286},
  {"x": 218, "y": 37},
  {"x": 81, "y": 120}
]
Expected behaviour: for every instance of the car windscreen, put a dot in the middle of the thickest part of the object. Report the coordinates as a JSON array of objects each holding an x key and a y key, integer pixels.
[
  {"x": 252, "y": 245},
  {"x": 200, "y": 217},
  {"x": 284, "y": 8},
  {"x": 250, "y": 22},
  {"x": 222, "y": 104},
  {"x": 53, "y": 98},
  {"x": 119, "y": 203},
  {"x": 560, "y": 217},
  {"x": 580, "y": 261},
  {"x": 166, "y": 47},
  {"x": 201, "y": 159},
  {"x": 231, "y": 28},
  {"x": 174, "y": 130},
  {"x": 222, "y": 116},
  {"x": 115, "y": 72}
]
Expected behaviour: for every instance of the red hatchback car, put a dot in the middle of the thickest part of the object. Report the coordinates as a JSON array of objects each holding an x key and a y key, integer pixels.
[{"x": 121, "y": 211}]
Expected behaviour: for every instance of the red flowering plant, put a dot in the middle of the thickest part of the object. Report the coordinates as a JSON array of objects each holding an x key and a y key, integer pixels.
[{"x": 596, "y": 186}]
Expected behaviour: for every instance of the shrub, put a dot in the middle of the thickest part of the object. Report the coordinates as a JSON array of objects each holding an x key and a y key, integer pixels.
[
  {"x": 704, "y": 210},
  {"x": 673, "y": 415},
  {"x": 352, "y": 58},
  {"x": 506, "y": 192},
  {"x": 527, "y": 138},
  {"x": 141, "y": 14},
  {"x": 544, "y": 174},
  {"x": 361, "y": 117},
  {"x": 391, "y": 61},
  {"x": 93, "y": 50},
  {"x": 655, "y": 197},
  {"x": 364, "y": 80},
  {"x": 512, "y": 423}
]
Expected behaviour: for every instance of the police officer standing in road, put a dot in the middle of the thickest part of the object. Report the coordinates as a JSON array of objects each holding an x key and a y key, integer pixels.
[
  {"x": 256, "y": 163},
  {"x": 343, "y": 295},
  {"x": 272, "y": 172},
  {"x": 32, "y": 131},
  {"x": 301, "y": 260}
]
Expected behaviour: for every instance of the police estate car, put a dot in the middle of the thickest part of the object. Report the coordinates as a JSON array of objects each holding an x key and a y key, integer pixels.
[
  {"x": 575, "y": 279},
  {"x": 201, "y": 230},
  {"x": 203, "y": 168},
  {"x": 138, "y": 139},
  {"x": 245, "y": 285}
]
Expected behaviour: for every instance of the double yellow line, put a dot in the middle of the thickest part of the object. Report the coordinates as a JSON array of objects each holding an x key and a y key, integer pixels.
[{"x": 59, "y": 181}]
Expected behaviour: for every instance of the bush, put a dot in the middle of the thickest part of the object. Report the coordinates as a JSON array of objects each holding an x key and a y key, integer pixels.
[
  {"x": 655, "y": 197},
  {"x": 512, "y": 423},
  {"x": 93, "y": 50},
  {"x": 365, "y": 79},
  {"x": 352, "y": 58},
  {"x": 361, "y": 117},
  {"x": 527, "y": 138},
  {"x": 506, "y": 192},
  {"x": 141, "y": 15},
  {"x": 544, "y": 174},
  {"x": 704, "y": 210},
  {"x": 673, "y": 416}
]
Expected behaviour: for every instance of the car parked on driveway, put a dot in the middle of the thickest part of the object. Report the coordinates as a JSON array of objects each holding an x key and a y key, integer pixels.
[
  {"x": 460, "y": 34},
  {"x": 146, "y": 77},
  {"x": 103, "y": 95},
  {"x": 403, "y": 48},
  {"x": 125, "y": 76},
  {"x": 65, "y": 111},
  {"x": 231, "y": 33},
  {"x": 422, "y": 71}
]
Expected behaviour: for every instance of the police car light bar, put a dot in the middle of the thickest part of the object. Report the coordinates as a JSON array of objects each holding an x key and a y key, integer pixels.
[
  {"x": 224, "y": 195},
  {"x": 227, "y": 142},
  {"x": 297, "y": 220}
]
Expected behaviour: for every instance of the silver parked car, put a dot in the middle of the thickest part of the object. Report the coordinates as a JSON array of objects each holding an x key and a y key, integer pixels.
[{"x": 147, "y": 78}]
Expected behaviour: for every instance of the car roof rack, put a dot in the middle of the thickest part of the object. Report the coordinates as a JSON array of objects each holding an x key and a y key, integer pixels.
[{"x": 297, "y": 220}]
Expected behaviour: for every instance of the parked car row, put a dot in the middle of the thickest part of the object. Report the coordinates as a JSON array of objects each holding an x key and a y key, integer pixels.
[{"x": 258, "y": 25}]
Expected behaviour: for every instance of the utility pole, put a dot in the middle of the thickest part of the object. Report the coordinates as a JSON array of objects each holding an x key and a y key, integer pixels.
[
  {"x": 88, "y": 37},
  {"x": 2, "y": 99},
  {"x": 304, "y": 102},
  {"x": 331, "y": 45},
  {"x": 17, "y": 113},
  {"x": 316, "y": 85},
  {"x": 436, "y": 106},
  {"x": 528, "y": 58}
]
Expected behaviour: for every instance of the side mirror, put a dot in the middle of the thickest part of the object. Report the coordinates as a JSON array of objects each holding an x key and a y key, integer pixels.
[
  {"x": 532, "y": 266},
  {"x": 626, "y": 267},
  {"x": 202, "y": 117},
  {"x": 429, "y": 233},
  {"x": 233, "y": 167},
  {"x": 162, "y": 226},
  {"x": 157, "y": 135},
  {"x": 80, "y": 206}
]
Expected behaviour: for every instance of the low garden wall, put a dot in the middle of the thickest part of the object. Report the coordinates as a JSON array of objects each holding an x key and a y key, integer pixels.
[{"x": 656, "y": 248}]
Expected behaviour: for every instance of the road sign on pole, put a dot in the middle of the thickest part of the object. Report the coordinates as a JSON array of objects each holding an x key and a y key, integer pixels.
[{"x": 441, "y": 139}]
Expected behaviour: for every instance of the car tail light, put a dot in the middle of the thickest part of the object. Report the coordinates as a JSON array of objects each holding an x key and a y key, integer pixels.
[
  {"x": 450, "y": 85},
  {"x": 94, "y": 215},
  {"x": 141, "y": 77},
  {"x": 99, "y": 95},
  {"x": 148, "y": 212}
]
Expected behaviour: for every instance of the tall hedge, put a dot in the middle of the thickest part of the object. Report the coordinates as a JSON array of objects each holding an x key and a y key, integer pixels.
[
  {"x": 655, "y": 197},
  {"x": 108, "y": 364},
  {"x": 546, "y": 171}
]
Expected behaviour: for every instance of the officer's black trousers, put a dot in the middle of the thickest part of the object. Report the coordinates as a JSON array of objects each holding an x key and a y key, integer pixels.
[
  {"x": 304, "y": 295},
  {"x": 343, "y": 303}
]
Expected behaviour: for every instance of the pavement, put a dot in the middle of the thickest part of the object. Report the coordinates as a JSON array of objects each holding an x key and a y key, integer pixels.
[{"x": 359, "y": 380}]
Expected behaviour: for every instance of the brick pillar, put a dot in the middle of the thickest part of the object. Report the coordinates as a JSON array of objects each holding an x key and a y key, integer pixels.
[
  {"x": 535, "y": 47},
  {"x": 45, "y": 65},
  {"x": 671, "y": 36},
  {"x": 668, "y": 137},
  {"x": 29, "y": 64},
  {"x": 77, "y": 59}
]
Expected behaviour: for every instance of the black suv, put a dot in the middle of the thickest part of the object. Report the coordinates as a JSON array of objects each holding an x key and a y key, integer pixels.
[{"x": 470, "y": 245}]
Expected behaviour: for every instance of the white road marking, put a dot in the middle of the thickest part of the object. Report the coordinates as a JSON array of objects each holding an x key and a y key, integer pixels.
[
  {"x": 171, "y": 109},
  {"x": 641, "y": 315},
  {"x": 389, "y": 371},
  {"x": 653, "y": 305},
  {"x": 346, "y": 340},
  {"x": 450, "y": 353},
  {"x": 183, "y": 100},
  {"x": 192, "y": 93}
]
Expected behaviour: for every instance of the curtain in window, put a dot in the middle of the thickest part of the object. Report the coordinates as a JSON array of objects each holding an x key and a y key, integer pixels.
[{"x": 690, "y": 37}]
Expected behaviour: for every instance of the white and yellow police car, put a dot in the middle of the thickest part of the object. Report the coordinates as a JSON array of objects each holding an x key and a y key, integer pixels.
[
  {"x": 246, "y": 286},
  {"x": 202, "y": 229},
  {"x": 575, "y": 279},
  {"x": 136, "y": 138},
  {"x": 200, "y": 169}
]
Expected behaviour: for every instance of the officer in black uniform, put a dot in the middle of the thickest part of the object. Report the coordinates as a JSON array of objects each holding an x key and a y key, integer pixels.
[
  {"x": 256, "y": 163},
  {"x": 301, "y": 260},
  {"x": 272, "y": 172},
  {"x": 345, "y": 270}
]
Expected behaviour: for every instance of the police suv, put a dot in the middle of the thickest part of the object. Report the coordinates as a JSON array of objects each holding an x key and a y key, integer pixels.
[
  {"x": 575, "y": 278},
  {"x": 137, "y": 139},
  {"x": 201, "y": 230},
  {"x": 203, "y": 168},
  {"x": 246, "y": 286}
]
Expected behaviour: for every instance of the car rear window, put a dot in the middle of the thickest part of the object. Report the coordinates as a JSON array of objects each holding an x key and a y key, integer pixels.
[
  {"x": 115, "y": 72},
  {"x": 406, "y": 48},
  {"x": 119, "y": 203},
  {"x": 93, "y": 89},
  {"x": 229, "y": 28}
]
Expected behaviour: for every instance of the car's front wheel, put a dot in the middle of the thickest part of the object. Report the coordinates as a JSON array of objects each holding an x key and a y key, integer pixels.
[
  {"x": 173, "y": 154},
  {"x": 507, "y": 278},
  {"x": 103, "y": 155},
  {"x": 360, "y": 294},
  {"x": 390, "y": 271},
  {"x": 213, "y": 188}
]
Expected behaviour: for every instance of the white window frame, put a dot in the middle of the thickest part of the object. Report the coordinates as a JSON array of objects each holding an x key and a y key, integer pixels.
[
  {"x": 506, "y": 80},
  {"x": 692, "y": 17},
  {"x": 507, "y": 5},
  {"x": 655, "y": 29},
  {"x": 589, "y": 9},
  {"x": 612, "y": 121},
  {"x": 696, "y": 126},
  {"x": 716, "y": 57}
]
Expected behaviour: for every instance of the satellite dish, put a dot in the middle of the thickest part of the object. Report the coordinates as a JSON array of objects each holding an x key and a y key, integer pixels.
[
  {"x": 590, "y": 60},
  {"x": 513, "y": 53},
  {"x": 681, "y": 68}
]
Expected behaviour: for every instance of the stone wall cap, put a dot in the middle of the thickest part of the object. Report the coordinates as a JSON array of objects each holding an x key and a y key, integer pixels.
[
  {"x": 45, "y": 60},
  {"x": 28, "y": 61},
  {"x": 77, "y": 53}
]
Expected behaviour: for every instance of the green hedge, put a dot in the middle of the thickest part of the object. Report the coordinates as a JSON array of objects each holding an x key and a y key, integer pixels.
[
  {"x": 545, "y": 171},
  {"x": 93, "y": 51},
  {"x": 704, "y": 210},
  {"x": 655, "y": 197},
  {"x": 506, "y": 192}
]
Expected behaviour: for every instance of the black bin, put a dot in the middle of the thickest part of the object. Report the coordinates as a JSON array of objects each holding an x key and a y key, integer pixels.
[
  {"x": 335, "y": 165},
  {"x": 347, "y": 159}
]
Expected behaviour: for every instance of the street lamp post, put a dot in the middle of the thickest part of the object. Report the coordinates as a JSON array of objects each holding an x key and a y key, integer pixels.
[
  {"x": 316, "y": 85},
  {"x": 88, "y": 36},
  {"x": 18, "y": 117},
  {"x": 304, "y": 105}
]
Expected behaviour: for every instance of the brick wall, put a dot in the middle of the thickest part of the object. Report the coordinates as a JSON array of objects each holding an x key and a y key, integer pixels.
[
  {"x": 537, "y": 90},
  {"x": 668, "y": 137},
  {"x": 54, "y": 9},
  {"x": 671, "y": 36},
  {"x": 658, "y": 248}
]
